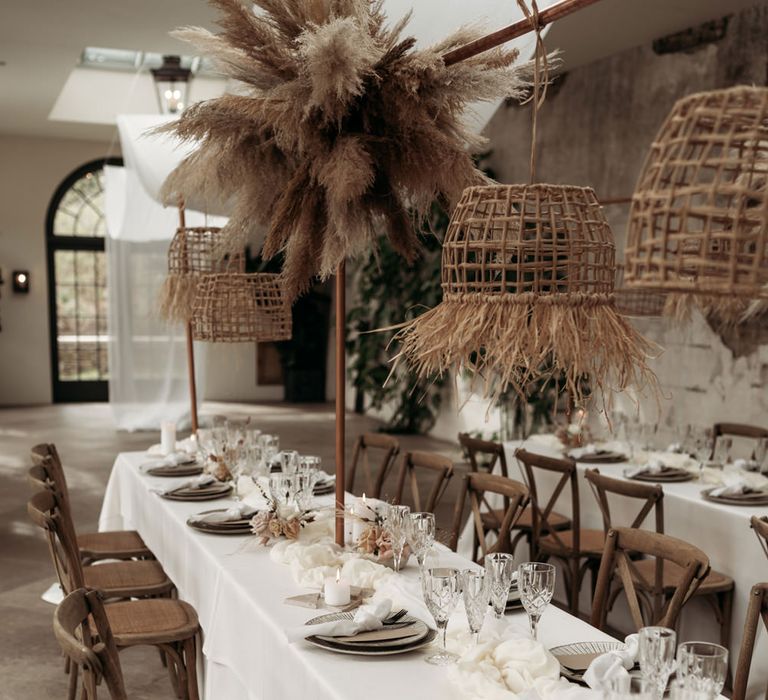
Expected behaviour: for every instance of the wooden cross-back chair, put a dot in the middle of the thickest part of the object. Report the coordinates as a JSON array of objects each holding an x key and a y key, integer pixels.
[
  {"x": 476, "y": 486},
  {"x": 742, "y": 430},
  {"x": 494, "y": 451},
  {"x": 367, "y": 443},
  {"x": 616, "y": 567},
  {"x": 47, "y": 471},
  {"x": 170, "y": 625},
  {"x": 760, "y": 526},
  {"x": 655, "y": 575},
  {"x": 436, "y": 465},
  {"x": 757, "y": 610},
  {"x": 81, "y": 627},
  {"x": 576, "y": 548}
]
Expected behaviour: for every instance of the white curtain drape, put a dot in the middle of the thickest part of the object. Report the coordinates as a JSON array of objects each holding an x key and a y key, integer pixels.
[{"x": 148, "y": 380}]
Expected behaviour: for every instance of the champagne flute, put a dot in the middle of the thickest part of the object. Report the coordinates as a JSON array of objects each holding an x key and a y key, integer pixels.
[
  {"x": 476, "y": 592},
  {"x": 422, "y": 535},
  {"x": 702, "y": 666},
  {"x": 397, "y": 520},
  {"x": 722, "y": 455},
  {"x": 656, "y": 654},
  {"x": 501, "y": 571},
  {"x": 441, "y": 590},
  {"x": 536, "y": 582}
]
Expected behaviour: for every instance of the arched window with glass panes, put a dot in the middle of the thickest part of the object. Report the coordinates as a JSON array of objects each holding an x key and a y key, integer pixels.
[{"x": 77, "y": 282}]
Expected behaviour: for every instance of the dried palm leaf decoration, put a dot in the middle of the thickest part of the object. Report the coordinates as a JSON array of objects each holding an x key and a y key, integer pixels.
[
  {"x": 528, "y": 278},
  {"x": 193, "y": 253},
  {"x": 237, "y": 308},
  {"x": 698, "y": 225},
  {"x": 343, "y": 126}
]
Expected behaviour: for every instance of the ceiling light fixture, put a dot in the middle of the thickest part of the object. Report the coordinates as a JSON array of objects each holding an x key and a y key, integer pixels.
[{"x": 171, "y": 82}]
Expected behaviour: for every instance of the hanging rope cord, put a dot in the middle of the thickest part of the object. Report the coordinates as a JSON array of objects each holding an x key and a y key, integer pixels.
[{"x": 540, "y": 76}]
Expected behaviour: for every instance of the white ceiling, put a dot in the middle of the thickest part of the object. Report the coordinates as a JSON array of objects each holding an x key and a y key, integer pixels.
[{"x": 41, "y": 41}]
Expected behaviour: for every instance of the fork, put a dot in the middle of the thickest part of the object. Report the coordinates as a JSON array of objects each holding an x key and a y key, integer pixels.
[{"x": 394, "y": 617}]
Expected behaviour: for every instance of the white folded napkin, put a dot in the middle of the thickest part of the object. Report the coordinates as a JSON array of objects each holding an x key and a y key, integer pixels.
[
  {"x": 235, "y": 512},
  {"x": 612, "y": 664},
  {"x": 172, "y": 460},
  {"x": 747, "y": 465},
  {"x": 367, "y": 617},
  {"x": 544, "y": 441},
  {"x": 198, "y": 482},
  {"x": 731, "y": 481},
  {"x": 675, "y": 448},
  {"x": 579, "y": 452},
  {"x": 652, "y": 466}
]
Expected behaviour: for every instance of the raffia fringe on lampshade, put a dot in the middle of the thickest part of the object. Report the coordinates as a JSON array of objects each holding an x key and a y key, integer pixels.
[
  {"x": 698, "y": 224},
  {"x": 193, "y": 252},
  {"x": 235, "y": 308},
  {"x": 528, "y": 277}
]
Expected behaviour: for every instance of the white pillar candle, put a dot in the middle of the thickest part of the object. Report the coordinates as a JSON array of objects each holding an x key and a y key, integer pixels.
[
  {"x": 168, "y": 437},
  {"x": 336, "y": 591}
]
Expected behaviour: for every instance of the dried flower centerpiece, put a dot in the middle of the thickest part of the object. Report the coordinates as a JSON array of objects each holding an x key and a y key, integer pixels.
[
  {"x": 371, "y": 538},
  {"x": 280, "y": 519}
]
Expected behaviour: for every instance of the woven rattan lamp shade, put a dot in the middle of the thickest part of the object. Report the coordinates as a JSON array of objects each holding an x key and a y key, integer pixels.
[
  {"x": 637, "y": 302},
  {"x": 233, "y": 308},
  {"x": 699, "y": 218},
  {"x": 193, "y": 252},
  {"x": 528, "y": 276}
]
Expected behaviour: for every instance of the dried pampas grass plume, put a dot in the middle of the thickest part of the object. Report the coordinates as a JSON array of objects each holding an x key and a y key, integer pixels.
[{"x": 344, "y": 129}]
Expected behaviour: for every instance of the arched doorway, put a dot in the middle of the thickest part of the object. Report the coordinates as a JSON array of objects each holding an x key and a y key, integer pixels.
[{"x": 77, "y": 285}]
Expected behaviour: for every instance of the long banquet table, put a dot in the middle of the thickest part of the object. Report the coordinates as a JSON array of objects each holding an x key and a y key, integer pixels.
[
  {"x": 239, "y": 593},
  {"x": 721, "y": 531}
]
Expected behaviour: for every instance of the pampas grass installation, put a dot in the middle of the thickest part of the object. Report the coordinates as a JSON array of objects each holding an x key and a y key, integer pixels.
[
  {"x": 342, "y": 129},
  {"x": 528, "y": 278}
]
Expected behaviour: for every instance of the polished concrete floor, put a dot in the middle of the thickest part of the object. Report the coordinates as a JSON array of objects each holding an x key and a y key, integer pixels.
[{"x": 30, "y": 665}]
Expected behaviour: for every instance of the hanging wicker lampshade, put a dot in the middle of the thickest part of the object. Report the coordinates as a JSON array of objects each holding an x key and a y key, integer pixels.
[
  {"x": 636, "y": 302},
  {"x": 237, "y": 308},
  {"x": 698, "y": 225},
  {"x": 528, "y": 278},
  {"x": 193, "y": 252}
]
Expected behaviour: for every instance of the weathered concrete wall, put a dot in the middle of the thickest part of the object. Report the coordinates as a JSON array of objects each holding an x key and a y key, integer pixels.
[{"x": 595, "y": 129}]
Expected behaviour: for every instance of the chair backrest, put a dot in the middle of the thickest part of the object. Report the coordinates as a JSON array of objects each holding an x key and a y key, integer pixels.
[
  {"x": 541, "y": 509},
  {"x": 76, "y": 619},
  {"x": 476, "y": 486},
  {"x": 757, "y": 609},
  {"x": 760, "y": 526},
  {"x": 38, "y": 479},
  {"x": 737, "y": 430},
  {"x": 439, "y": 466},
  {"x": 652, "y": 496},
  {"x": 387, "y": 446},
  {"x": 46, "y": 456},
  {"x": 45, "y": 511},
  {"x": 617, "y": 565},
  {"x": 494, "y": 451}
]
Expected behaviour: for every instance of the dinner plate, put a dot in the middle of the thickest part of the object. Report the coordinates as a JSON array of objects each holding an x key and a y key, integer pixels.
[
  {"x": 324, "y": 489},
  {"x": 581, "y": 654},
  {"x": 758, "y": 498},
  {"x": 241, "y": 526},
  {"x": 374, "y": 648},
  {"x": 205, "y": 494},
  {"x": 179, "y": 470},
  {"x": 670, "y": 475},
  {"x": 602, "y": 457}
]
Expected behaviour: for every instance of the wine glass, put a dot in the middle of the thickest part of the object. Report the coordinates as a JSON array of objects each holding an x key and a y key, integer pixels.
[
  {"x": 702, "y": 445},
  {"x": 441, "y": 590},
  {"x": 289, "y": 461},
  {"x": 270, "y": 446},
  {"x": 304, "y": 487},
  {"x": 722, "y": 455},
  {"x": 281, "y": 487},
  {"x": 626, "y": 687},
  {"x": 501, "y": 571},
  {"x": 397, "y": 522},
  {"x": 702, "y": 666},
  {"x": 422, "y": 535},
  {"x": 761, "y": 451},
  {"x": 476, "y": 592},
  {"x": 656, "y": 655},
  {"x": 536, "y": 582}
]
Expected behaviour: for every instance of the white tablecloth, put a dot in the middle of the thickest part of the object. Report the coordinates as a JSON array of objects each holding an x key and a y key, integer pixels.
[
  {"x": 721, "y": 531},
  {"x": 239, "y": 596}
]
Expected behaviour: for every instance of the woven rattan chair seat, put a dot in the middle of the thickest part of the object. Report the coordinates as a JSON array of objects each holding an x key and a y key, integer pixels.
[
  {"x": 120, "y": 544},
  {"x": 157, "y": 621},
  {"x": 591, "y": 542},
  {"x": 525, "y": 521},
  {"x": 128, "y": 579},
  {"x": 715, "y": 582}
]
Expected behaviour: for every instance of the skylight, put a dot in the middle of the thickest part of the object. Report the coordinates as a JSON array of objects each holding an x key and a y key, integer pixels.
[{"x": 130, "y": 60}]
